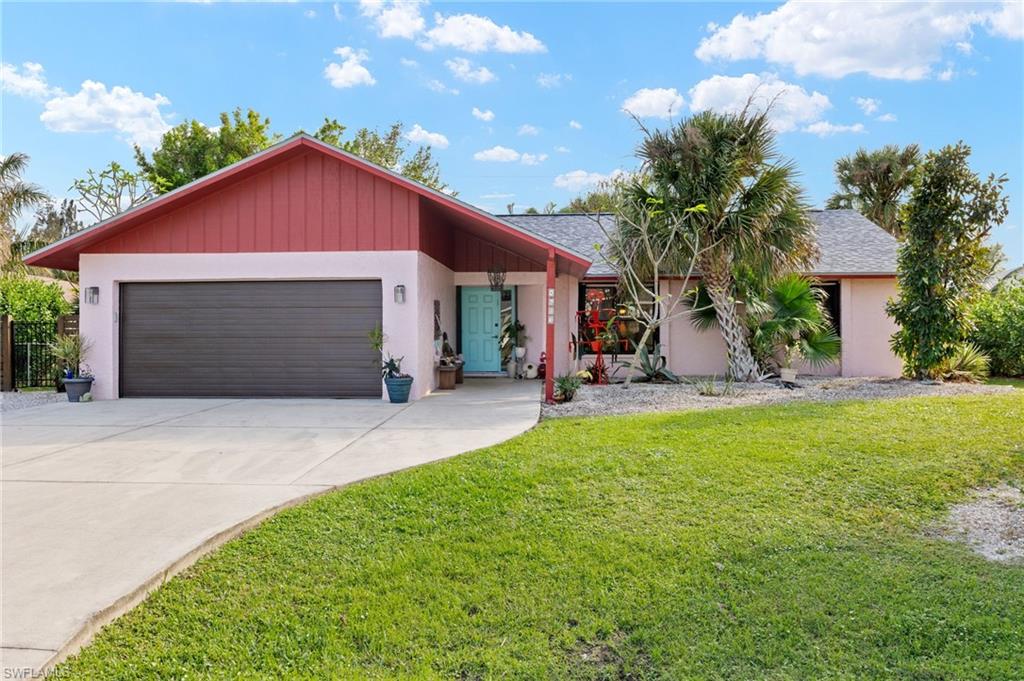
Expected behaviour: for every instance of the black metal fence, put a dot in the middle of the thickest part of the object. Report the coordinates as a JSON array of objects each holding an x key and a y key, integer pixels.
[{"x": 32, "y": 362}]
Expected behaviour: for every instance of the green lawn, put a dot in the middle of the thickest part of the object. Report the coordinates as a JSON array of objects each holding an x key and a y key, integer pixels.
[
  {"x": 780, "y": 543},
  {"x": 1015, "y": 382}
]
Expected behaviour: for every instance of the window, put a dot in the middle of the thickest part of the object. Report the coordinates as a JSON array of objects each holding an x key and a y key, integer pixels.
[{"x": 604, "y": 322}]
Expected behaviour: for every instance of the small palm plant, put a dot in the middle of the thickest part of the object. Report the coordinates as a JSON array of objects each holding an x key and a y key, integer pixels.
[
  {"x": 70, "y": 350},
  {"x": 795, "y": 325}
]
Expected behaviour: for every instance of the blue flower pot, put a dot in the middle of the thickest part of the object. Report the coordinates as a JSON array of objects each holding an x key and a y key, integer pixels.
[
  {"x": 398, "y": 389},
  {"x": 76, "y": 387}
]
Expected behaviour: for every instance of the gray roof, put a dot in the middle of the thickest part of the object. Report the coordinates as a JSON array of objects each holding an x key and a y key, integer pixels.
[{"x": 849, "y": 242}]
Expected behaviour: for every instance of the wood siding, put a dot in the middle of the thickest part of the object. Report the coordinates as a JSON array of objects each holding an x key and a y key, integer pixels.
[{"x": 309, "y": 203}]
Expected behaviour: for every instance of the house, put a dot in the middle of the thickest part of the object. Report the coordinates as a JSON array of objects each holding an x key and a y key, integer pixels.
[{"x": 266, "y": 278}]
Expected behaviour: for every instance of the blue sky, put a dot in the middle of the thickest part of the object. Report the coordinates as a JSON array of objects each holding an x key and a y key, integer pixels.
[{"x": 548, "y": 81}]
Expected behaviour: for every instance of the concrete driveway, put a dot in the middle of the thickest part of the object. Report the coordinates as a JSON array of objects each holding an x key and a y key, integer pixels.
[{"x": 103, "y": 501}]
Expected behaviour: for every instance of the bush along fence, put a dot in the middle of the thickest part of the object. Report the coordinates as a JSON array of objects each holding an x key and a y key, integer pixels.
[{"x": 25, "y": 357}]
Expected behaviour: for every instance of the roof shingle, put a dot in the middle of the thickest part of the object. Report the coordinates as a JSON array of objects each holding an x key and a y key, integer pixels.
[{"x": 849, "y": 242}]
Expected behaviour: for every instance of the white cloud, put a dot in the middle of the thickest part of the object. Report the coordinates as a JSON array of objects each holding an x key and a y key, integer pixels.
[
  {"x": 485, "y": 115},
  {"x": 791, "y": 105},
  {"x": 826, "y": 129},
  {"x": 95, "y": 109},
  {"x": 350, "y": 72},
  {"x": 309, "y": 14},
  {"x": 438, "y": 86},
  {"x": 653, "y": 102},
  {"x": 533, "y": 159},
  {"x": 868, "y": 105},
  {"x": 946, "y": 74},
  {"x": 28, "y": 81},
  {"x": 394, "y": 18},
  {"x": 577, "y": 180},
  {"x": 1009, "y": 21},
  {"x": 894, "y": 40},
  {"x": 553, "y": 80},
  {"x": 527, "y": 129},
  {"x": 421, "y": 136},
  {"x": 498, "y": 154},
  {"x": 887, "y": 118},
  {"x": 336, "y": 7},
  {"x": 473, "y": 33},
  {"x": 411, "y": 63},
  {"x": 575, "y": 125},
  {"x": 462, "y": 69},
  {"x": 964, "y": 47},
  {"x": 562, "y": 150}
]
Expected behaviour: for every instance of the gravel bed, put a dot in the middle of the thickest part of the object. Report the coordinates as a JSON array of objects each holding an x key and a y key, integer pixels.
[
  {"x": 12, "y": 401},
  {"x": 603, "y": 400},
  {"x": 991, "y": 523}
]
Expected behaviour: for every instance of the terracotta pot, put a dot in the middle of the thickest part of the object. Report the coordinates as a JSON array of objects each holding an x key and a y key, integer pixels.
[{"x": 787, "y": 374}]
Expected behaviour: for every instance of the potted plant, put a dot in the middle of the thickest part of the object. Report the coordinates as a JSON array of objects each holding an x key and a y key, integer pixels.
[
  {"x": 518, "y": 333},
  {"x": 69, "y": 351},
  {"x": 397, "y": 383}
]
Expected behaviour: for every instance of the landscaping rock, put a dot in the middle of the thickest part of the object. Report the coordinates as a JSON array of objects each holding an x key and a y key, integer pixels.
[
  {"x": 601, "y": 400},
  {"x": 19, "y": 400}
]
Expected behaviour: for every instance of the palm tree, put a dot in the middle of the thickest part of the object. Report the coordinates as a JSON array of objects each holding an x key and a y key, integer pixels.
[
  {"x": 796, "y": 323},
  {"x": 16, "y": 195},
  {"x": 875, "y": 184},
  {"x": 755, "y": 223}
]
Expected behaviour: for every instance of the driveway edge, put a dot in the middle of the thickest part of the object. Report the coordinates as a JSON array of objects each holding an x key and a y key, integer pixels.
[{"x": 102, "y": 618}]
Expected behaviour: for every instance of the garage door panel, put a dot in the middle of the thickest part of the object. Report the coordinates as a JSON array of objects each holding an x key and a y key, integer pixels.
[{"x": 250, "y": 339}]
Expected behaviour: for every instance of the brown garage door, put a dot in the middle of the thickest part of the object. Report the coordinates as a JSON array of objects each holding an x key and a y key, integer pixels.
[{"x": 249, "y": 339}]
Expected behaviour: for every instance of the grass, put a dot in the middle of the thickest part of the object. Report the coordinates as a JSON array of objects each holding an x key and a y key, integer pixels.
[
  {"x": 787, "y": 542},
  {"x": 1002, "y": 380}
]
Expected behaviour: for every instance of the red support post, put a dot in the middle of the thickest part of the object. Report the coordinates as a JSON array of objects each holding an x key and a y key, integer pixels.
[{"x": 549, "y": 374}]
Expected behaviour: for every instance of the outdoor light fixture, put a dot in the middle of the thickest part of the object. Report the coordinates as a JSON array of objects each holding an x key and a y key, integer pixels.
[
  {"x": 400, "y": 293},
  {"x": 496, "y": 277},
  {"x": 92, "y": 295}
]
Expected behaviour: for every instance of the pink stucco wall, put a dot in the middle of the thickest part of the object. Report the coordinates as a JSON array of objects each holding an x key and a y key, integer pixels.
[
  {"x": 866, "y": 328},
  {"x": 434, "y": 282},
  {"x": 401, "y": 322}
]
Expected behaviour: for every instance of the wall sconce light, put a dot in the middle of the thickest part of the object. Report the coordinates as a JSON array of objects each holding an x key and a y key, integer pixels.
[
  {"x": 400, "y": 294},
  {"x": 92, "y": 295}
]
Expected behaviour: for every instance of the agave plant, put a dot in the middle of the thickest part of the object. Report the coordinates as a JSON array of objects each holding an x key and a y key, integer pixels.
[
  {"x": 797, "y": 324},
  {"x": 653, "y": 365},
  {"x": 967, "y": 365}
]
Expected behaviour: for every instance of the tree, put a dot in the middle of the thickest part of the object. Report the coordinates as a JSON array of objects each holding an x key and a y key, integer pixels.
[
  {"x": 597, "y": 201},
  {"x": 998, "y": 327},
  {"x": 54, "y": 222},
  {"x": 31, "y": 300},
  {"x": 641, "y": 241},
  {"x": 16, "y": 196},
  {"x": 112, "y": 190},
  {"x": 876, "y": 183},
  {"x": 389, "y": 150},
  {"x": 943, "y": 260},
  {"x": 793, "y": 321},
  {"x": 191, "y": 150},
  {"x": 755, "y": 222}
]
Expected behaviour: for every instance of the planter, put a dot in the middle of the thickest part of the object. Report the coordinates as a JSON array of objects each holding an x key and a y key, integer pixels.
[
  {"x": 446, "y": 378},
  {"x": 76, "y": 387},
  {"x": 531, "y": 371},
  {"x": 398, "y": 389},
  {"x": 510, "y": 369},
  {"x": 520, "y": 352},
  {"x": 787, "y": 374},
  {"x": 596, "y": 345}
]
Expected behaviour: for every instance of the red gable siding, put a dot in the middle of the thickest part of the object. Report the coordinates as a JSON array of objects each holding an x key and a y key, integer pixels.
[{"x": 308, "y": 203}]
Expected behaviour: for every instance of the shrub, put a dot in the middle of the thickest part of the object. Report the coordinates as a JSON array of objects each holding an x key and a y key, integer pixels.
[
  {"x": 968, "y": 364},
  {"x": 998, "y": 319},
  {"x": 31, "y": 300},
  {"x": 566, "y": 386}
]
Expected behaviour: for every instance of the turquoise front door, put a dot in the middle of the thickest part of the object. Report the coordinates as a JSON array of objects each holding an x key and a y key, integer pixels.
[{"x": 481, "y": 328}]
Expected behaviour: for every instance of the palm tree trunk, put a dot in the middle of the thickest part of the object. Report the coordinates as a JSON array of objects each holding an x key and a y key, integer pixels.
[{"x": 718, "y": 282}]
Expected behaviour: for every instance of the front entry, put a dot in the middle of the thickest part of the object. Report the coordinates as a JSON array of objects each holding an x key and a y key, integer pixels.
[{"x": 481, "y": 329}]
